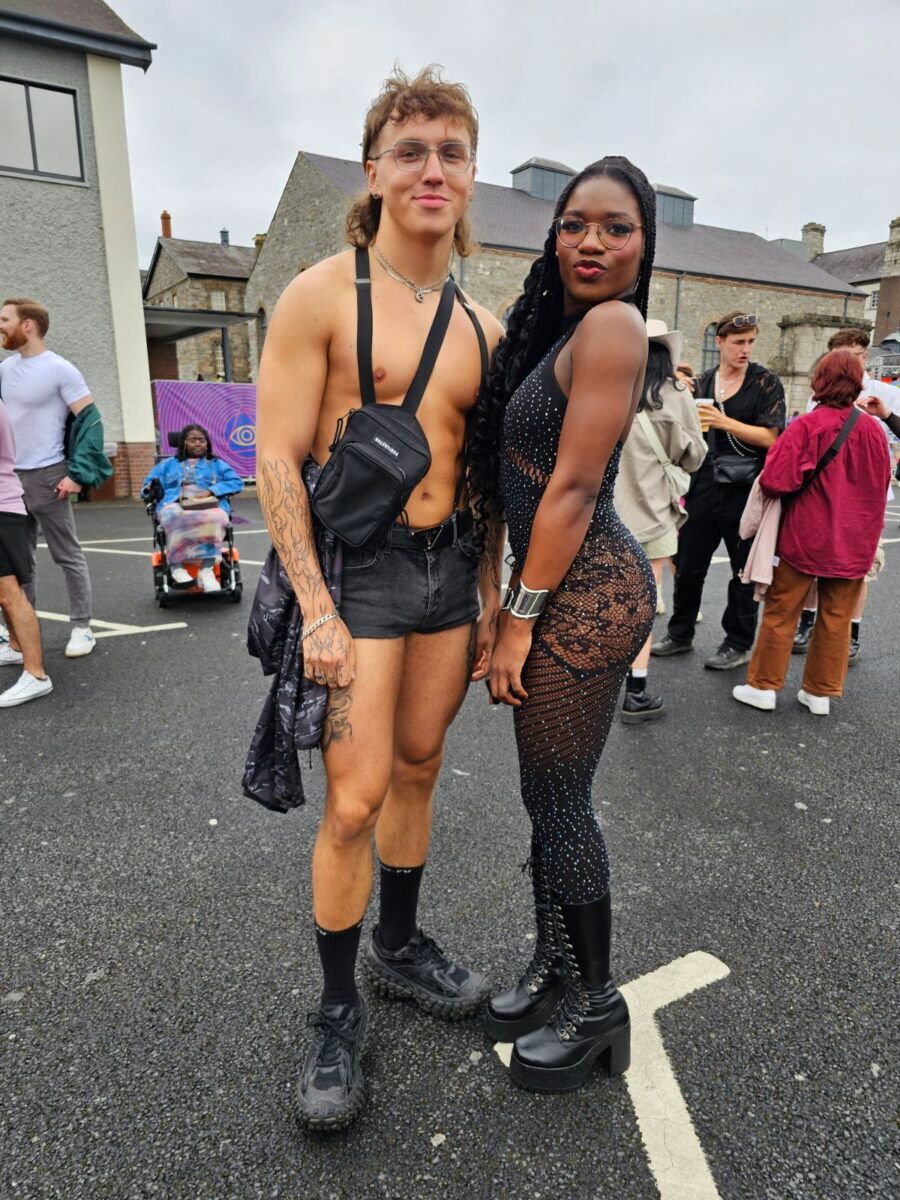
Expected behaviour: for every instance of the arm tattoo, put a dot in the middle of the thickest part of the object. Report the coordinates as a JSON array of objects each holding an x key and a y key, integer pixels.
[
  {"x": 337, "y": 719},
  {"x": 285, "y": 505}
]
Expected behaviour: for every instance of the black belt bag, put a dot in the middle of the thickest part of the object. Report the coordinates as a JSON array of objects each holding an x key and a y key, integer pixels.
[
  {"x": 380, "y": 452},
  {"x": 735, "y": 469}
]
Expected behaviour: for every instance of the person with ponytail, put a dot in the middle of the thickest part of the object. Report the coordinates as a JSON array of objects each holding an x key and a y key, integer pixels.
[{"x": 565, "y": 385}]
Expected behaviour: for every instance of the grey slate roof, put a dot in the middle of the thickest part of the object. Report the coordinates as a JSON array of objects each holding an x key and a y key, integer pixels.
[
  {"x": 547, "y": 163},
  {"x": 672, "y": 191},
  {"x": 90, "y": 25},
  {"x": 511, "y": 219},
  {"x": 203, "y": 258},
  {"x": 858, "y": 264}
]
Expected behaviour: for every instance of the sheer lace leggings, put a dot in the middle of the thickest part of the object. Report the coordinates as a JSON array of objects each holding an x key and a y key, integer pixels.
[{"x": 584, "y": 643}]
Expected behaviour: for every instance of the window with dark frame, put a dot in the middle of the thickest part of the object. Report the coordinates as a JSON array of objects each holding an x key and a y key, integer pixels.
[
  {"x": 39, "y": 131},
  {"x": 710, "y": 349}
]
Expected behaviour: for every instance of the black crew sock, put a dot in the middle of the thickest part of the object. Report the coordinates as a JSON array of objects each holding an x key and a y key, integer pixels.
[
  {"x": 854, "y": 631},
  {"x": 338, "y": 954},
  {"x": 399, "y": 903}
]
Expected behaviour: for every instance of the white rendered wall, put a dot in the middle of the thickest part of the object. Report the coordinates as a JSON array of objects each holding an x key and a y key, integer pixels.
[{"x": 117, "y": 207}]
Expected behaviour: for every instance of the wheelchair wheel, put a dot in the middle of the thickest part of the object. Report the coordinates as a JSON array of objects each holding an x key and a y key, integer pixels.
[
  {"x": 236, "y": 593},
  {"x": 161, "y": 598}
]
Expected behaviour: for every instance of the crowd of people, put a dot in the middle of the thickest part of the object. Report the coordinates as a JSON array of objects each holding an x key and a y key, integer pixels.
[
  {"x": 578, "y": 434},
  {"x": 51, "y": 448}
]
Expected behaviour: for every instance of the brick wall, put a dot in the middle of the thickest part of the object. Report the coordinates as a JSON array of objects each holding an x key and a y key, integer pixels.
[{"x": 133, "y": 462}]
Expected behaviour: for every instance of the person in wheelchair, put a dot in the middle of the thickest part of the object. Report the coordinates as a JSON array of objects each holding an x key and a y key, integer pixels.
[{"x": 194, "y": 510}]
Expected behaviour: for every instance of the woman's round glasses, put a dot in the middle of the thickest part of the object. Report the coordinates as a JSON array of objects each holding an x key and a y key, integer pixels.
[
  {"x": 613, "y": 232},
  {"x": 454, "y": 157}
]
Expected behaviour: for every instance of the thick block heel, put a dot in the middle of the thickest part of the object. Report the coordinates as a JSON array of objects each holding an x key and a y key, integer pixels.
[{"x": 617, "y": 1057}]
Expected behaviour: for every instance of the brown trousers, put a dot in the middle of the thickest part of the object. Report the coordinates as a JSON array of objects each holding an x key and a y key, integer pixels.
[{"x": 826, "y": 659}]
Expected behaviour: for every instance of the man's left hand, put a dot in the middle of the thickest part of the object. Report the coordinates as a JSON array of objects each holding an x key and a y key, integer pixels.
[
  {"x": 67, "y": 487},
  {"x": 485, "y": 637},
  {"x": 713, "y": 416}
]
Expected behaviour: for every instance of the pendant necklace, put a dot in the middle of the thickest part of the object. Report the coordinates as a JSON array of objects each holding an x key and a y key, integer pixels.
[{"x": 419, "y": 292}]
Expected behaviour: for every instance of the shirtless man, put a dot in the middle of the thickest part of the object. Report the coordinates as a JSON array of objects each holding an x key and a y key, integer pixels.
[{"x": 398, "y": 657}]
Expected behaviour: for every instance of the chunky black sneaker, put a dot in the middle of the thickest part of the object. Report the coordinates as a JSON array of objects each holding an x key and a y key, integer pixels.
[
  {"x": 854, "y": 651},
  {"x": 668, "y": 646},
  {"x": 332, "y": 1091},
  {"x": 726, "y": 658},
  {"x": 641, "y": 706},
  {"x": 421, "y": 971}
]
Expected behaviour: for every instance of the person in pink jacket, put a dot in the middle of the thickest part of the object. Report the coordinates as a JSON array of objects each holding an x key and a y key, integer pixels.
[{"x": 828, "y": 532}]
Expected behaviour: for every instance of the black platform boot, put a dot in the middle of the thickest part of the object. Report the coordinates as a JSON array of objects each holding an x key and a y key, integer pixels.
[
  {"x": 639, "y": 705},
  {"x": 804, "y": 631},
  {"x": 530, "y": 1003},
  {"x": 591, "y": 1020}
]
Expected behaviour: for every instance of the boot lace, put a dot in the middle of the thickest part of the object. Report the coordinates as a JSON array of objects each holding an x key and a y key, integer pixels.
[
  {"x": 334, "y": 1035},
  {"x": 546, "y": 948},
  {"x": 574, "y": 1002}
]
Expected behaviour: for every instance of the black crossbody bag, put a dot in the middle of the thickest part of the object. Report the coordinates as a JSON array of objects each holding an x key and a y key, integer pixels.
[{"x": 380, "y": 451}]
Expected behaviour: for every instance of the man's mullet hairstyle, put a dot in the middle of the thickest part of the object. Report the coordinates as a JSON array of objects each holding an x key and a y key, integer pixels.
[
  {"x": 31, "y": 310},
  {"x": 401, "y": 98},
  {"x": 848, "y": 337},
  {"x": 535, "y": 322}
]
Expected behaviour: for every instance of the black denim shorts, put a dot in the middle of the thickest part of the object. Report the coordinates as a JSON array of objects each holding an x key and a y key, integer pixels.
[
  {"x": 389, "y": 591},
  {"x": 15, "y": 547}
]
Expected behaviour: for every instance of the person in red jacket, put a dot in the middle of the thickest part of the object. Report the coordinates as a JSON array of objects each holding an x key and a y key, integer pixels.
[{"x": 829, "y": 532}]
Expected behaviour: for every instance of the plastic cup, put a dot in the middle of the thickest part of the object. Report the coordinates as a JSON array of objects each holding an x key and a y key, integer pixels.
[{"x": 704, "y": 424}]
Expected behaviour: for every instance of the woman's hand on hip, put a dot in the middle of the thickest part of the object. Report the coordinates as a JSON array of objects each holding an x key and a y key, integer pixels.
[
  {"x": 507, "y": 662},
  {"x": 329, "y": 655}
]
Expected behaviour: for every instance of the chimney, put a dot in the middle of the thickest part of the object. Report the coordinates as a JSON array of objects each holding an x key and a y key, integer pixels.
[
  {"x": 223, "y": 237},
  {"x": 165, "y": 220},
  {"x": 259, "y": 241},
  {"x": 813, "y": 237}
]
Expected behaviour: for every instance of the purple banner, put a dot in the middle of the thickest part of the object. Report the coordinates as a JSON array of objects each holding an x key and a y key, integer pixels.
[{"x": 226, "y": 410}]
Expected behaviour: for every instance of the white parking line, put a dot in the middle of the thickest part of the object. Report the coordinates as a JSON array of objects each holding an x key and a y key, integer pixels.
[
  {"x": 676, "y": 1157},
  {"x": 142, "y": 538},
  {"x": 108, "y": 629}
]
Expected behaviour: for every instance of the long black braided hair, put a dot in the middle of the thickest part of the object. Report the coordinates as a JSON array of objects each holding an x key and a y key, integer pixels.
[{"x": 535, "y": 322}]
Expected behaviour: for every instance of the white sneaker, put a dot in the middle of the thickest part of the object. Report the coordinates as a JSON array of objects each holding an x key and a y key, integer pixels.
[
  {"x": 81, "y": 642},
  {"x": 207, "y": 580},
  {"x": 660, "y": 606},
  {"x": 763, "y": 698},
  {"x": 4, "y": 633},
  {"x": 26, "y": 688},
  {"x": 819, "y": 706},
  {"x": 9, "y": 657},
  {"x": 698, "y": 619},
  {"x": 181, "y": 576}
]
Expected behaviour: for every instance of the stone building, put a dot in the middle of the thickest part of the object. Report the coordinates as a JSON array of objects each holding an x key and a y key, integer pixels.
[
  {"x": 700, "y": 271},
  {"x": 67, "y": 237},
  {"x": 875, "y": 269},
  {"x": 210, "y": 277}
]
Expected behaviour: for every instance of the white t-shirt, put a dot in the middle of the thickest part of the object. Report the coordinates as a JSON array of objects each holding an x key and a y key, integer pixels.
[{"x": 37, "y": 392}]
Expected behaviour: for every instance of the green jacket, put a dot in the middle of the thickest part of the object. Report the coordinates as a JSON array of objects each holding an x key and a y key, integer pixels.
[{"x": 88, "y": 465}]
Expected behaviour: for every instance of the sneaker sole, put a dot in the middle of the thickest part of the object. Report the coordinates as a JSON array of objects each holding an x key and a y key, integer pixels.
[
  {"x": 631, "y": 718},
  {"x": 25, "y": 699},
  {"x": 392, "y": 986},
  {"x": 795, "y": 649},
  {"x": 80, "y": 653},
  {"x": 671, "y": 653},
  {"x": 614, "y": 1053}
]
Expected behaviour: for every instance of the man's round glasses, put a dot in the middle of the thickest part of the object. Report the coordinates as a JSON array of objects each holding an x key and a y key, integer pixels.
[
  {"x": 614, "y": 233},
  {"x": 454, "y": 157}
]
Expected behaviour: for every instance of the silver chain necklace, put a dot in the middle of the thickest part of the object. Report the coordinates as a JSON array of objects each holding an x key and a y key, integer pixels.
[
  {"x": 736, "y": 444},
  {"x": 420, "y": 292}
]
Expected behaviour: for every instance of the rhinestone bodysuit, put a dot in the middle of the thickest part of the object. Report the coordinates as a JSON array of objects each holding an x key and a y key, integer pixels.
[{"x": 583, "y": 644}]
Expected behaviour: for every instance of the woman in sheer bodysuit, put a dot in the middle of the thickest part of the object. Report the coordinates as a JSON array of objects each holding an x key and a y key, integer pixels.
[{"x": 565, "y": 385}]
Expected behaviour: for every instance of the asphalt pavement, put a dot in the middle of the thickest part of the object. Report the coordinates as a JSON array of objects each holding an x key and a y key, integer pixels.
[{"x": 157, "y": 959}]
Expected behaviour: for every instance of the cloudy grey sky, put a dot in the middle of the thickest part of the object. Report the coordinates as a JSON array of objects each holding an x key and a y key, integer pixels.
[{"x": 773, "y": 113}]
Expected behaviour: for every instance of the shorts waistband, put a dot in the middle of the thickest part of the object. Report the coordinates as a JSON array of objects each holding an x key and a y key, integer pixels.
[{"x": 436, "y": 537}]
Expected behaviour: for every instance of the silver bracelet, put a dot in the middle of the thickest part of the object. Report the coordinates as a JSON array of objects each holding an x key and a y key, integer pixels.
[
  {"x": 317, "y": 624},
  {"x": 526, "y": 603}
]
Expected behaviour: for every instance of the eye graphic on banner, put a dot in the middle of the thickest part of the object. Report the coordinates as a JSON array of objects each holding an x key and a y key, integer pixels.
[{"x": 240, "y": 434}]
